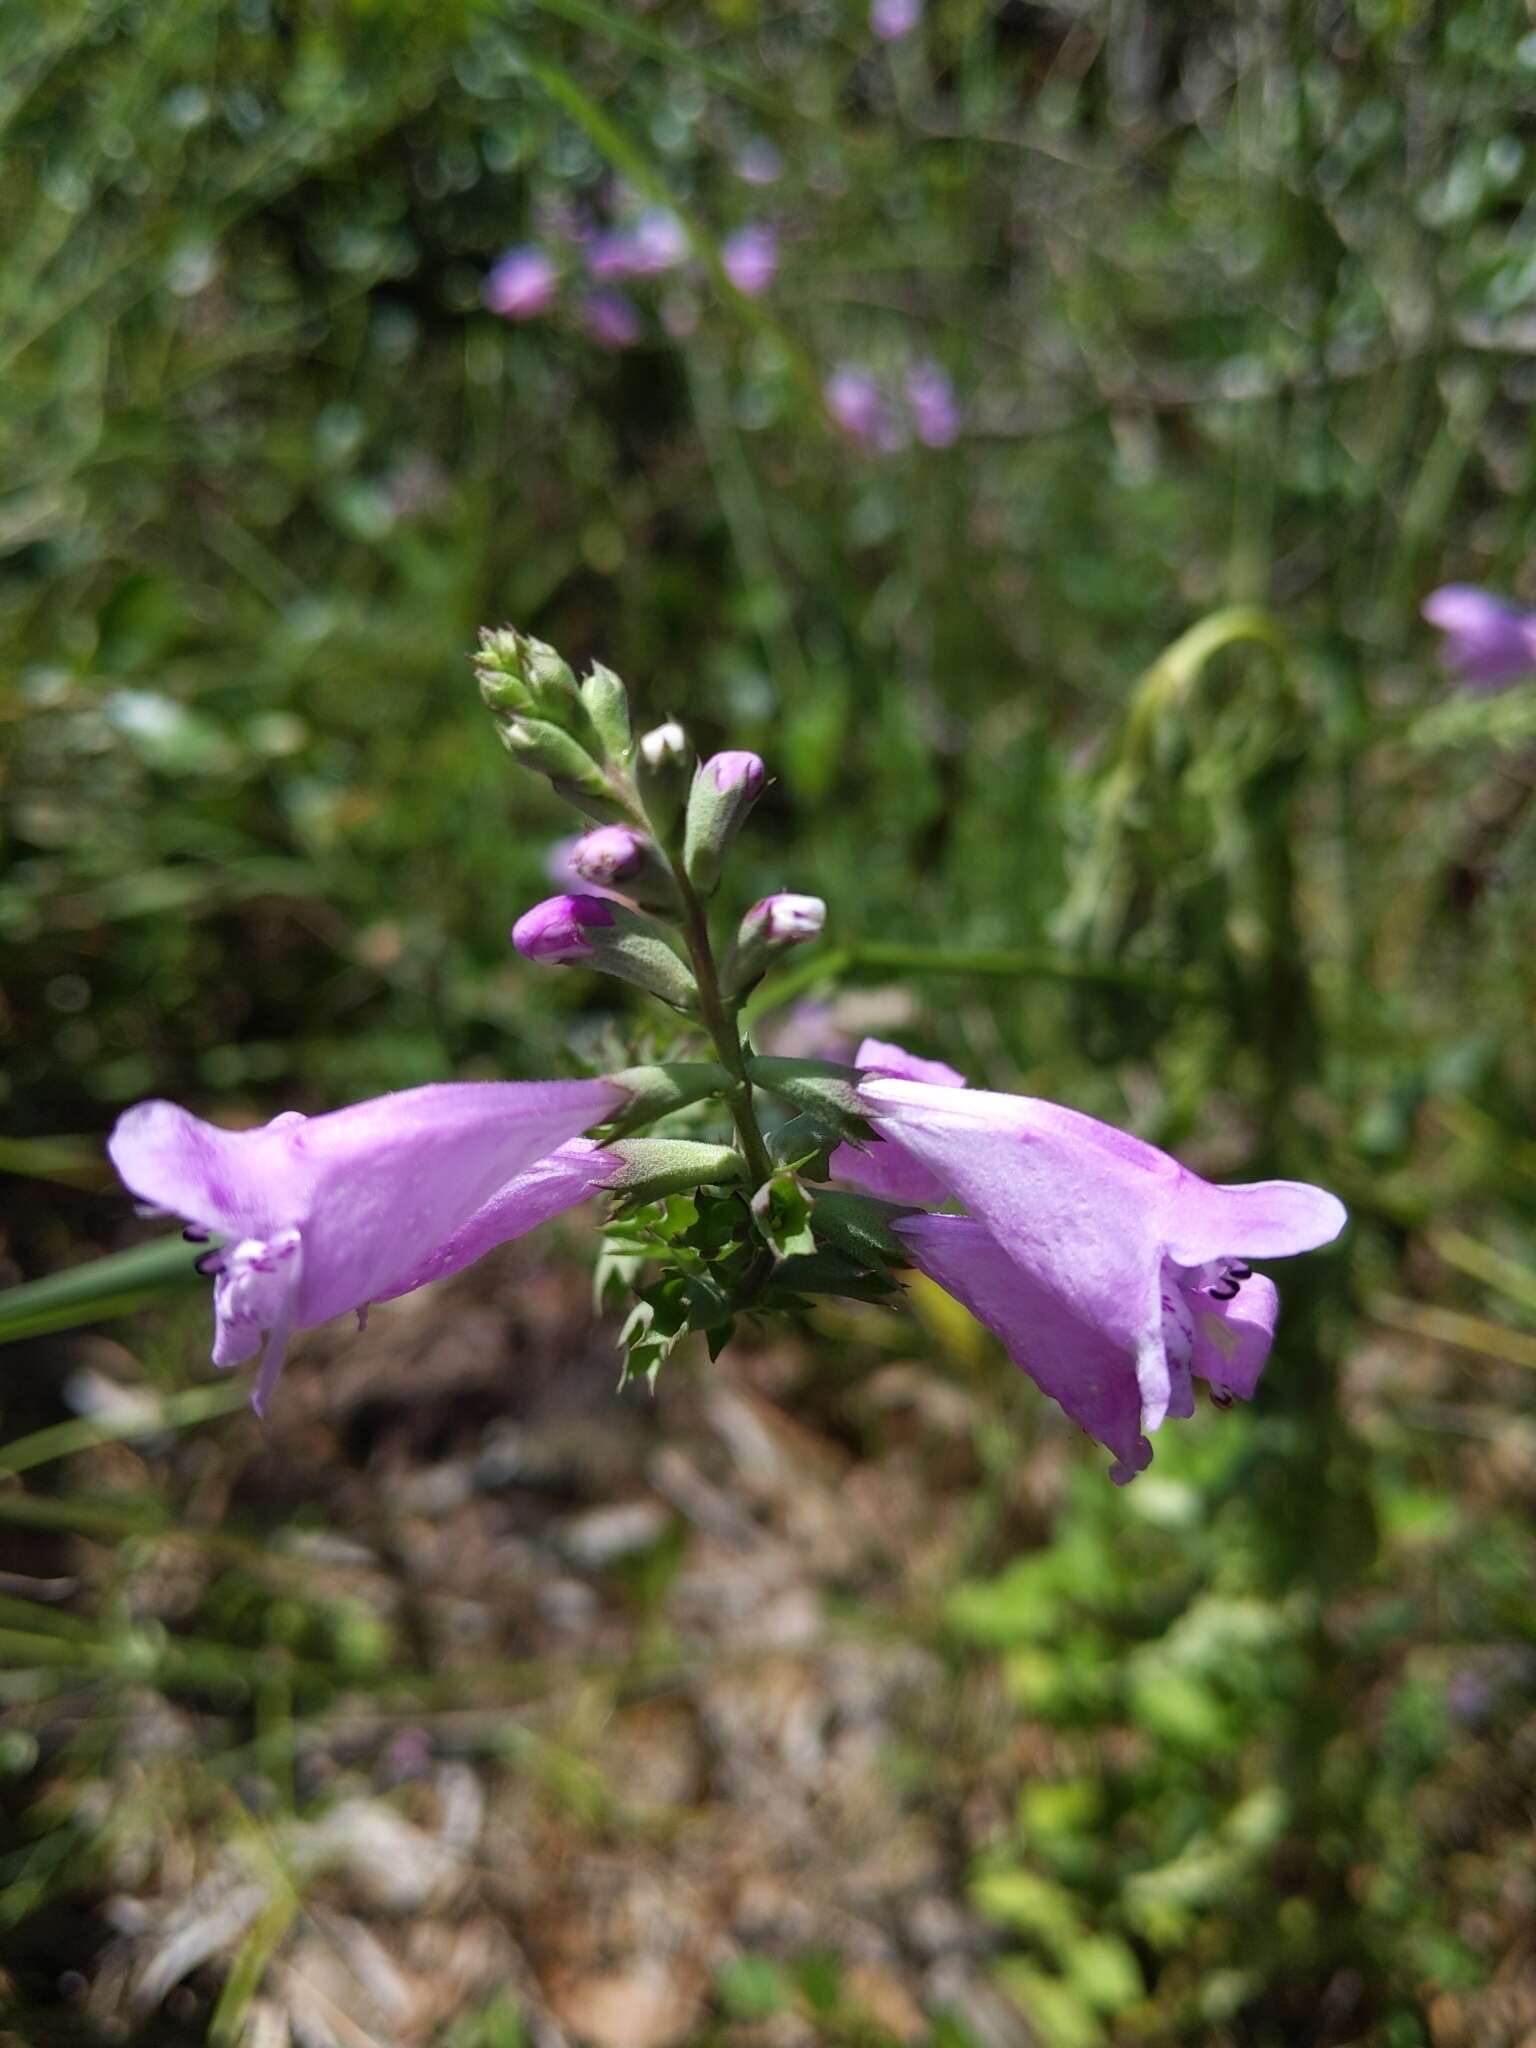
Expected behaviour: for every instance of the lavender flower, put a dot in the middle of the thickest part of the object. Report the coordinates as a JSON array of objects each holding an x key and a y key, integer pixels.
[
  {"x": 1489, "y": 642},
  {"x": 931, "y": 398},
  {"x": 859, "y": 408},
  {"x": 1110, "y": 1273},
  {"x": 890, "y": 20},
  {"x": 523, "y": 284},
  {"x": 326, "y": 1214},
  {"x": 608, "y": 854},
  {"x": 750, "y": 259}
]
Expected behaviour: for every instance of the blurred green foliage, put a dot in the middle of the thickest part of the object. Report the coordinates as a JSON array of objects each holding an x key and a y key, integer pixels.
[{"x": 1239, "y": 304}]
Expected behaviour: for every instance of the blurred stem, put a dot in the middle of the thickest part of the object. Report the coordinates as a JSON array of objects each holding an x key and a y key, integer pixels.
[{"x": 742, "y": 504}]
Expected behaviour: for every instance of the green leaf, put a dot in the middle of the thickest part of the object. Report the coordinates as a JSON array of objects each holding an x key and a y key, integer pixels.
[
  {"x": 99, "y": 1289},
  {"x": 859, "y": 1226}
]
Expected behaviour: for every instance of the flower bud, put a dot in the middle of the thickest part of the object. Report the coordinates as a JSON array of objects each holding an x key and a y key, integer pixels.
[
  {"x": 522, "y": 677},
  {"x": 724, "y": 790},
  {"x": 619, "y": 857},
  {"x": 552, "y": 752},
  {"x": 824, "y": 1090},
  {"x": 655, "y": 1091},
  {"x": 606, "y": 702},
  {"x": 604, "y": 935},
  {"x": 651, "y": 1167},
  {"x": 770, "y": 925},
  {"x": 662, "y": 766},
  {"x": 609, "y": 854},
  {"x": 558, "y": 929},
  {"x": 785, "y": 919}
]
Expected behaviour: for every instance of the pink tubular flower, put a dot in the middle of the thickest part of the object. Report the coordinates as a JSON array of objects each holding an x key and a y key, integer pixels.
[
  {"x": 892, "y": 19},
  {"x": 555, "y": 930},
  {"x": 1489, "y": 642},
  {"x": 935, "y": 414},
  {"x": 750, "y": 259},
  {"x": 1110, "y": 1273},
  {"x": 610, "y": 319},
  {"x": 859, "y": 408},
  {"x": 523, "y": 284},
  {"x": 329, "y": 1213}
]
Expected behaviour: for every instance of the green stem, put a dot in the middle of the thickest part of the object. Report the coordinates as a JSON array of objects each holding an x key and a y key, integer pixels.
[{"x": 720, "y": 1021}]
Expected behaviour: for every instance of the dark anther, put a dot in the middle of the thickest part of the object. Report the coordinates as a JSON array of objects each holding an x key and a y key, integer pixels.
[
  {"x": 1225, "y": 1290},
  {"x": 209, "y": 1263},
  {"x": 1220, "y": 1398},
  {"x": 1236, "y": 1270},
  {"x": 195, "y": 1234}
]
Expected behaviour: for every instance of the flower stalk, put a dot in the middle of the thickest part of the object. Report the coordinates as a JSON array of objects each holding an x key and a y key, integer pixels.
[{"x": 1117, "y": 1279}]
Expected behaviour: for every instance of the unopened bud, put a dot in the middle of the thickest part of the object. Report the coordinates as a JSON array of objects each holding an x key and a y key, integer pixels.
[
  {"x": 527, "y": 678},
  {"x": 553, "y": 752},
  {"x": 606, "y": 702},
  {"x": 565, "y": 930},
  {"x": 655, "y": 1091},
  {"x": 619, "y": 857},
  {"x": 664, "y": 745},
  {"x": 662, "y": 766},
  {"x": 647, "y": 1168},
  {"x": 770, "y": 925},
  {"x": 786, "y": 920},
  {"x": 825, "y": 1091},
  {"x": 557, "y": 930},
  {"x": 611, "y": 853},
  {"x": 724, "y": 790}
]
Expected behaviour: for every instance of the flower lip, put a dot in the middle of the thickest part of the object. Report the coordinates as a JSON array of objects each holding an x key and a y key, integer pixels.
[{"x": 556, "y": 929}]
